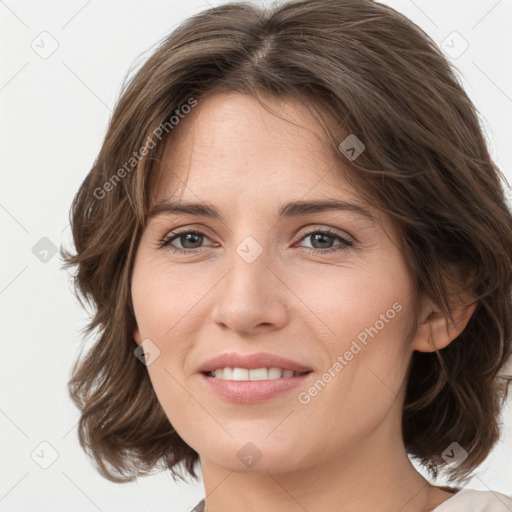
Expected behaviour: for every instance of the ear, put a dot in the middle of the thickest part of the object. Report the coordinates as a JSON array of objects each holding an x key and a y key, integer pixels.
[
  {"x": 435, "y": 330},
  {"x": 136, "y": 336}
]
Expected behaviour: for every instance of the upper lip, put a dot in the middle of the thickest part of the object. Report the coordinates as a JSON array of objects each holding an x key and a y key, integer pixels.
[{"x": 251, "y": 362}]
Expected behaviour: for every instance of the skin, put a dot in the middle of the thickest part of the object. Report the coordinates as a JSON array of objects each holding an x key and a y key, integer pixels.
[{"x": 343, "y": 450}]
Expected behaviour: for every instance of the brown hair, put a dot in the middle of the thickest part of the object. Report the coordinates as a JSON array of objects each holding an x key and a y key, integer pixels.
[{"x": 376, "y": 75}]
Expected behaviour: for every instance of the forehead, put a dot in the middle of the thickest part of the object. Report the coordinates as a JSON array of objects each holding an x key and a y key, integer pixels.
[{"x": 230, "y": 143}]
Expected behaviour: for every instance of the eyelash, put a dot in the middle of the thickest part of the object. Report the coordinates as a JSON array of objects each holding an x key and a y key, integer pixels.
[{"x": 345, "y": 242}]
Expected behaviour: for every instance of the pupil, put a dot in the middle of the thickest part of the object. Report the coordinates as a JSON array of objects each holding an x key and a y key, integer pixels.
[
  {"x": 316, "y": 238},
  {"x": 187, "y": 239}
]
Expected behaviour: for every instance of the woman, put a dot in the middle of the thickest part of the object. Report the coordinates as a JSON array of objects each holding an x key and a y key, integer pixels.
[{"x": 300, "y": 255}]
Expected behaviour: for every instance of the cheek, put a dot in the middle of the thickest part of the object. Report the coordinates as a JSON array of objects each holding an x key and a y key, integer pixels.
[
  {"x": 162, "y": 295},
  {"x": 177, "y": 401},
  {"x": 366, "y": 318},
  {"x": 353, "y": 304}
]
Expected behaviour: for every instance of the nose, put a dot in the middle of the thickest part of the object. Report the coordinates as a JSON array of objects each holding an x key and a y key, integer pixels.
[{"x": 251, "y": 296}]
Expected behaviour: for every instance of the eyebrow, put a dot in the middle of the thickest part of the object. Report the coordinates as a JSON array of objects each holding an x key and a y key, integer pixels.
[{"x": 293, "y": 209}]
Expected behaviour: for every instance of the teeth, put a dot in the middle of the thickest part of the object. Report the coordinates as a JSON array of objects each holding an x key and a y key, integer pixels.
[
  {"x": 240, "y": 374},
  {"x": 243, "y": 374},
  {"x": 258, "y": 374},
  {"x": 274, "y": 373}
]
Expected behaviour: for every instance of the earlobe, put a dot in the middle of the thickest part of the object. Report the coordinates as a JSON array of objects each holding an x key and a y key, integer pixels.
[
  {"x": 436, "y": 331},
  {"x": 136, "y": 336}
]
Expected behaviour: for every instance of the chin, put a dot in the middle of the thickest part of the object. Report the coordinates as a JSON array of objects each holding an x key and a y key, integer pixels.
[{"x": 258, "y": 457}]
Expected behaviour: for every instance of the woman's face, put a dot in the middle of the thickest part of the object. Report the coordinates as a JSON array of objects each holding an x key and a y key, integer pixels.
[{"x": 327, "y": 289}]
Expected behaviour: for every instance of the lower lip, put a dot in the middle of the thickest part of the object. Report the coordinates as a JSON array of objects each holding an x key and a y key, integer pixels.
[{"x": 252, "y": 391}]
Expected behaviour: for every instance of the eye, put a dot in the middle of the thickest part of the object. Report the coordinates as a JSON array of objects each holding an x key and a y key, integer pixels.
[
  {"x": 191, "y": 241},
  {"x": 321, "y": 239}
]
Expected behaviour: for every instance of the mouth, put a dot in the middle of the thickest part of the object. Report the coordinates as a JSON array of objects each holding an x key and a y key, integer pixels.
[
  {"x": 255, "y": 374},
  {"x": 250, "y": 378},
  {"x": 263, "y": 365},
  {"x": 243, "y": 386}
]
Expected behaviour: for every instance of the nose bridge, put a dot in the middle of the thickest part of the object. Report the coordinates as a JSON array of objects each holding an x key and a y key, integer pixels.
[
  {"x": 249, "y": 293},
  {"x": 248, "y": 277}
]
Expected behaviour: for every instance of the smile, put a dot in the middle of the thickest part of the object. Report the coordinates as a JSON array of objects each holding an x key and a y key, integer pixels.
[
  {"x": 247, "y": 391},
  {"x": 245, "y": 374}
]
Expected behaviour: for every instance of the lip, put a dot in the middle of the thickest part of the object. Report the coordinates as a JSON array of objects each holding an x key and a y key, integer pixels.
[
  {"x": 251, "y": 362},
  {"x": 252, "y": 391}
]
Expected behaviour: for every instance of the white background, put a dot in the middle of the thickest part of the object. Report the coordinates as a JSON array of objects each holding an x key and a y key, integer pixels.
[{"x": 54, "y": 113}]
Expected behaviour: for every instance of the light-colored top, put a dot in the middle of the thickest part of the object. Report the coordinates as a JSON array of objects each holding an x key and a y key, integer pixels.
[
  {"x": 465, "y": 500},
  {"x": 469, "y": 500}
]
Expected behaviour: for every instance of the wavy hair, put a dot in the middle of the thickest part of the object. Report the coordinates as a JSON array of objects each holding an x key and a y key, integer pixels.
[{"x": 365, "y": 70}]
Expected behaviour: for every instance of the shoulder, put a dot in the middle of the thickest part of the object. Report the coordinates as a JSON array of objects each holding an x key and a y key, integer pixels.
[{"x": 470, "y": 500}]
